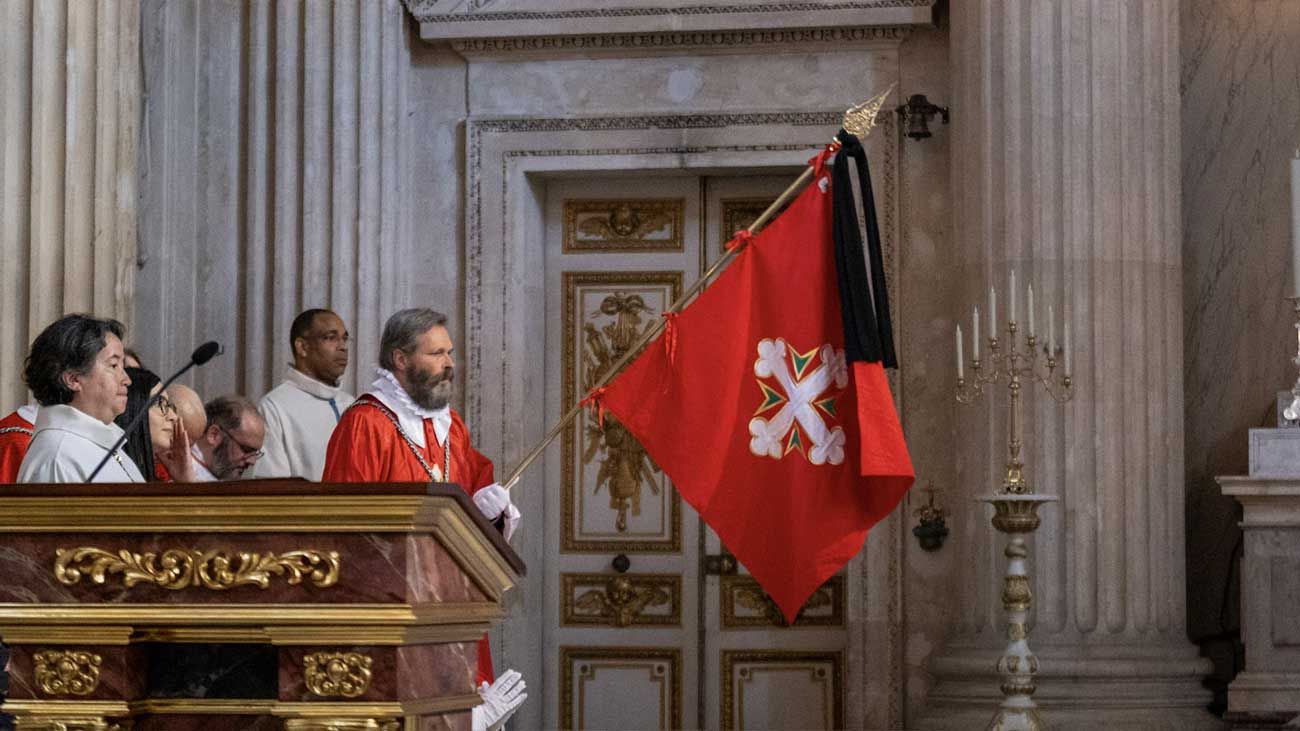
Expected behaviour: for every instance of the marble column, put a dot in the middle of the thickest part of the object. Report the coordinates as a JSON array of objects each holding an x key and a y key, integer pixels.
[
  {"x": 274, "y": 179},
  {"x": 69, "y": 120},
  {"x": 1066, "y": 168}
]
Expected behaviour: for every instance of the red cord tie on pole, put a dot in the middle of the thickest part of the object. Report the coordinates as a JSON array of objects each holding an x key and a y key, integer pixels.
[
  {"x": 596, "y": 401},
  {"x": 818, "y": 161},
  {"x": 738, "y": 241},
  {"x": 670, "y": 336}
]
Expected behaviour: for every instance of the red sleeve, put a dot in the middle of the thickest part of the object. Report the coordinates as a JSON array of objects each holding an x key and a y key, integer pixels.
[
  {"x": 12, "y": 449},
  {"x": 355, "y": 452},
  {"x": 480, "y": 470}
]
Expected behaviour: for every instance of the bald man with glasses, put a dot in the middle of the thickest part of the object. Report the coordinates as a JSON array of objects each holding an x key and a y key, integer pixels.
[{"x": 232, "y": 442}]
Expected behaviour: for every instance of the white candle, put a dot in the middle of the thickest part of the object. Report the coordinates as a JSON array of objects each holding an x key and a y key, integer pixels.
[
  {"x": 993, "y": 312},
  {"x": 961, "y": 372},
  {"x": 1068, "y": 369},
  {"x": 1295, "y": 222},
  {"x": 976, "y": 345},
  {"x": 1013, "y": 295},
  {"x": 1031, "y": 310},
  {"x": 1051, "y": 331}
]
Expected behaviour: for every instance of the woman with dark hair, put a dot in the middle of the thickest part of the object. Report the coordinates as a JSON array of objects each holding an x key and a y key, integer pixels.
[
  {"x": 75, "y": 370},
  {"x": 158, "y": 445}
]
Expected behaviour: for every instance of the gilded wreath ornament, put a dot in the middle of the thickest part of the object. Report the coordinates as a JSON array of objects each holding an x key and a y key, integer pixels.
[{"x": 180, "y": 568}]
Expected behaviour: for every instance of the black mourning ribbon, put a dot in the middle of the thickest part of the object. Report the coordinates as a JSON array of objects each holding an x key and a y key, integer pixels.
[{"x": 864, "y": 300}]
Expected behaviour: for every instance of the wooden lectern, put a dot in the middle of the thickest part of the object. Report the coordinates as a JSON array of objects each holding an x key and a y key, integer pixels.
[{"x": 246, "y": 605}]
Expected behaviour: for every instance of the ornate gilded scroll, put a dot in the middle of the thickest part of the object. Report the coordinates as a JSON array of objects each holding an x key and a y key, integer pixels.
[
  {"x": 67, "y": 672},
  {"x": 623, "y": 225},
  {"x": 182, "y": 568},
  {"x": 621, "y": 600},
  {"x": 337, "y": 674},
  {"x": 744, "y": 604}
]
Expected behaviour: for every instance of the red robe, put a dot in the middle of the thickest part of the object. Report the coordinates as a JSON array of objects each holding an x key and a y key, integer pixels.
[
  {"x": 15, "y": 435},
  {"x": 365, "y": 447}
]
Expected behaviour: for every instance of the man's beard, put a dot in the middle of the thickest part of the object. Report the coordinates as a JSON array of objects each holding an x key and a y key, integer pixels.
[
  {"x": 223, "y": 467},
  {"x": 429, "y": 389}
]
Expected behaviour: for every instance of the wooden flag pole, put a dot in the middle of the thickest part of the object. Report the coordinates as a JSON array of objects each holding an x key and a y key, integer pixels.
[{"x": 857, "y": 121}]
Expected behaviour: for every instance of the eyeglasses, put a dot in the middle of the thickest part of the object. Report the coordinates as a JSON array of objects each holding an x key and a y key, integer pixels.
[
  {"x": 246, "y": 451},
  {"x": 164, "y": 404}
]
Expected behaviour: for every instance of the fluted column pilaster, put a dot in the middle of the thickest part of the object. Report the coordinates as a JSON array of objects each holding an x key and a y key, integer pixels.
[
  {"x": 69, "y": 118},
  {"x": 1066, "y": 168}
]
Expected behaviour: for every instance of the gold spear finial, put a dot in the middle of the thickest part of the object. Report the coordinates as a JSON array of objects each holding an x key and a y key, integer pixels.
[{"x": 860, "y": 119}]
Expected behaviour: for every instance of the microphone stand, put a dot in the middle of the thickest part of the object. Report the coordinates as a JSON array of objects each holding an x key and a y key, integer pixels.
[{"x": 201, "y": 355}]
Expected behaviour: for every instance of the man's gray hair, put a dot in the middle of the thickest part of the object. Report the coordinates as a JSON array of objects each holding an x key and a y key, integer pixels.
[
  {"x": 403, "y": 329},
  {"x": 228, "y": 411}
]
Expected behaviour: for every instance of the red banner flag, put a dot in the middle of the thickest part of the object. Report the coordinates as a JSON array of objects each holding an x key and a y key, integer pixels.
[{"x": 749, "y": 404}]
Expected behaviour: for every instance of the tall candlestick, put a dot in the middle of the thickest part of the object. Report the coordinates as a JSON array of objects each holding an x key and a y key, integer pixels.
[
  {"x": 993, "y": 312},
  {"x": 961, "y": 371},
  {"x": 976, "y": 323},
  {"x": 1013, "y": 295},
  {"x": 1068, "y": 369},
  {"x": 1051, "y": 331},
  {"x": 1295, "y": 222},
  {"x": 1031, "y": 311}
]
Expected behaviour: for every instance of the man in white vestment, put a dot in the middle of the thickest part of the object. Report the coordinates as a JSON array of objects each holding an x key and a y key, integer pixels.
[
  {"x": 301, "y": 412},
  {"x": 232, "y": 442},
  {"x": 76, "y": 371}
]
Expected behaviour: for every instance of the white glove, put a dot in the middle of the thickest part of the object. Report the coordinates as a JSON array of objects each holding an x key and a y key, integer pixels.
[
  {"x": 513, "y": 516},
  {"x": 493, "y": 500},
  {"x": 500, "y": 701}
]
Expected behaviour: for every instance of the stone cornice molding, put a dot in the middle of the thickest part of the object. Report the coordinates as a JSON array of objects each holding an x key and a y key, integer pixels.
[
  {"x": 697, "y": 42},
  {"x": 448, "y": 20}
]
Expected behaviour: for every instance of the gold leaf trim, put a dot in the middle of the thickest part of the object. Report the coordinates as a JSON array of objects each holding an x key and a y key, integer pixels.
[
  {"x": 67, "y": 672},
  {"x": 337, "y": 674},
  {"x": 182, "y": 568}
]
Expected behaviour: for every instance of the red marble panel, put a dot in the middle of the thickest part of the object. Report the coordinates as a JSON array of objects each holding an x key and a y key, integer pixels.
[
  {"x": 433, "y": 575},
  {"x": 435, "y": 671},
  {"x": 121, "y": 673}
]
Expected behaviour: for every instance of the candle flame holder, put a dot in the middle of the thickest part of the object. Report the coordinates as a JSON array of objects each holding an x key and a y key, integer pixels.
[{"x": 1016, "y": 510}]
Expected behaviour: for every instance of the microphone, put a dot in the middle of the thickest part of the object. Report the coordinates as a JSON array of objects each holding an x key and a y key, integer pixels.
[{"x": 201, "y": 355}]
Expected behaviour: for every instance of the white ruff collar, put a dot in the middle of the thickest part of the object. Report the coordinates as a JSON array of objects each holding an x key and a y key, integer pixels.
[
  {"x": 309, "y": 385},
  {"x": 410, "y": 414}
]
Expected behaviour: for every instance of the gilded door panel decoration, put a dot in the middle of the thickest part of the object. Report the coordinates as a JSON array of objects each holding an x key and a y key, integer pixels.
[
  {"x": 623, "y": 225},
  {"x": 738, "y": 213},
  {"x": 620, "y": 687},
  {"x": 809, "y": 685},
  {"x": 615, "y": 497},
  {"x": 745, "y": 605},
  {"x": 622, "y": 600}
]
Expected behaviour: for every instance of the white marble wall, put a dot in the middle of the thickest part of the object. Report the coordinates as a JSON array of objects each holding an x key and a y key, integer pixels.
[
  {"x": 1241, "y": 126},
  {"x": 294, "y": 154},
  {"x": 69, "y": 104}
]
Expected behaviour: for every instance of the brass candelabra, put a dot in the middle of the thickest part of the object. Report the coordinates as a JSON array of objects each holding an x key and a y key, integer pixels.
[{"x": 1016, "y": 504}]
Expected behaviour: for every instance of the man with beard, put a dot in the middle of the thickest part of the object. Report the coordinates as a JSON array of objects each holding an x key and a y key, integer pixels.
[
  {"x": 301, "y": 412},
  {"x": 232, "y": 442},
  {"x": 404, "y": 430}
]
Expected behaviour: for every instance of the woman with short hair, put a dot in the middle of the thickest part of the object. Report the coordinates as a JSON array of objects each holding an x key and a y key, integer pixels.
[{"x": 76, "y": 372}]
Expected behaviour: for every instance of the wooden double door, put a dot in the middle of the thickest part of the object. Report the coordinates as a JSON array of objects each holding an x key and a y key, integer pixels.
[{"x": 649, "y": 622}]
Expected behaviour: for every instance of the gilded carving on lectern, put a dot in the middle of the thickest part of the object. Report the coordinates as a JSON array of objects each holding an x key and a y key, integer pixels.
[
  {"x": 615, "y": 497},
  {"x": 67, "y": 672},
  {"x": 337, "y": 674},
  {"x": 622, "y": 225},
  {"x": 182, "y": 568}
]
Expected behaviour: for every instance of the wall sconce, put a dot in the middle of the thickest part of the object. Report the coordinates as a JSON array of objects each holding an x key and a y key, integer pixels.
[
  {"x": 917, "y": 113},
  {"x": 932, "y": 530}
]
